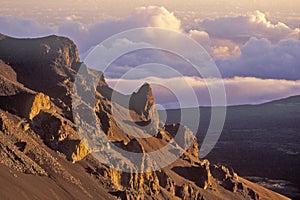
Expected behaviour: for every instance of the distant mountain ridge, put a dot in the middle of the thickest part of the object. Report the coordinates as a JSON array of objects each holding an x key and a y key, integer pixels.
[
  {"x": 291, "y": 99},
  {"x": 265, "y": 115}
]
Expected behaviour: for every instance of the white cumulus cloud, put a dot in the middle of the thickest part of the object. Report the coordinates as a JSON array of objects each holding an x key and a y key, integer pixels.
[
  {"x": 241, "y": 28},
  {"x": 261, "y": 58},
  {"x": 151, "y": 16}
]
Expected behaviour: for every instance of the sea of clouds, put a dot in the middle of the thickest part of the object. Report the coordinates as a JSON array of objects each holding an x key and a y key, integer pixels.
[{"x": 259, "y": 60}]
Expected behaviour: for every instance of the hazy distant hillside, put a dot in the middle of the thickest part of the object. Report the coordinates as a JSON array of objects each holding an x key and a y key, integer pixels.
[
  {"x": 284, "y": 113},
  {"x": 259, "y": 140}
]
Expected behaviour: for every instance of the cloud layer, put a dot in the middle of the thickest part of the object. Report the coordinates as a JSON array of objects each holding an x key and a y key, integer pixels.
[
  {"x": 18, "y": 27},
  {"x": 89, "y": 36},
  {"x": 260, "y": 58},
  {"x": 239, "y": 90},
  {"x": 151, "y": 16},
  {"x": 242, "y": 28}
]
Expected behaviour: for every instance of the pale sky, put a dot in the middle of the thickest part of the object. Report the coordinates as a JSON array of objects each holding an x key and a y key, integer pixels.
[{"x": 91, "y": 11}]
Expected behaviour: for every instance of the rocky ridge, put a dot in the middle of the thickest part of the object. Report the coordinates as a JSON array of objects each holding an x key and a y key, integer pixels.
[{"x": 38, "y": 135}]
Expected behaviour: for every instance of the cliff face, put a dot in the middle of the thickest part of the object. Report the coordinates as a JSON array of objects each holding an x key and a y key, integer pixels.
[
  {"x": 38, "y": 135},
  {"x": 46, "y": 65},
  {"x": 43, "y": 63}
]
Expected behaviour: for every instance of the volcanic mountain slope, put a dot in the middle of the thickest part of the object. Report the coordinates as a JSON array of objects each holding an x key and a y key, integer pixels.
[{"x": 42, "y": 154}]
